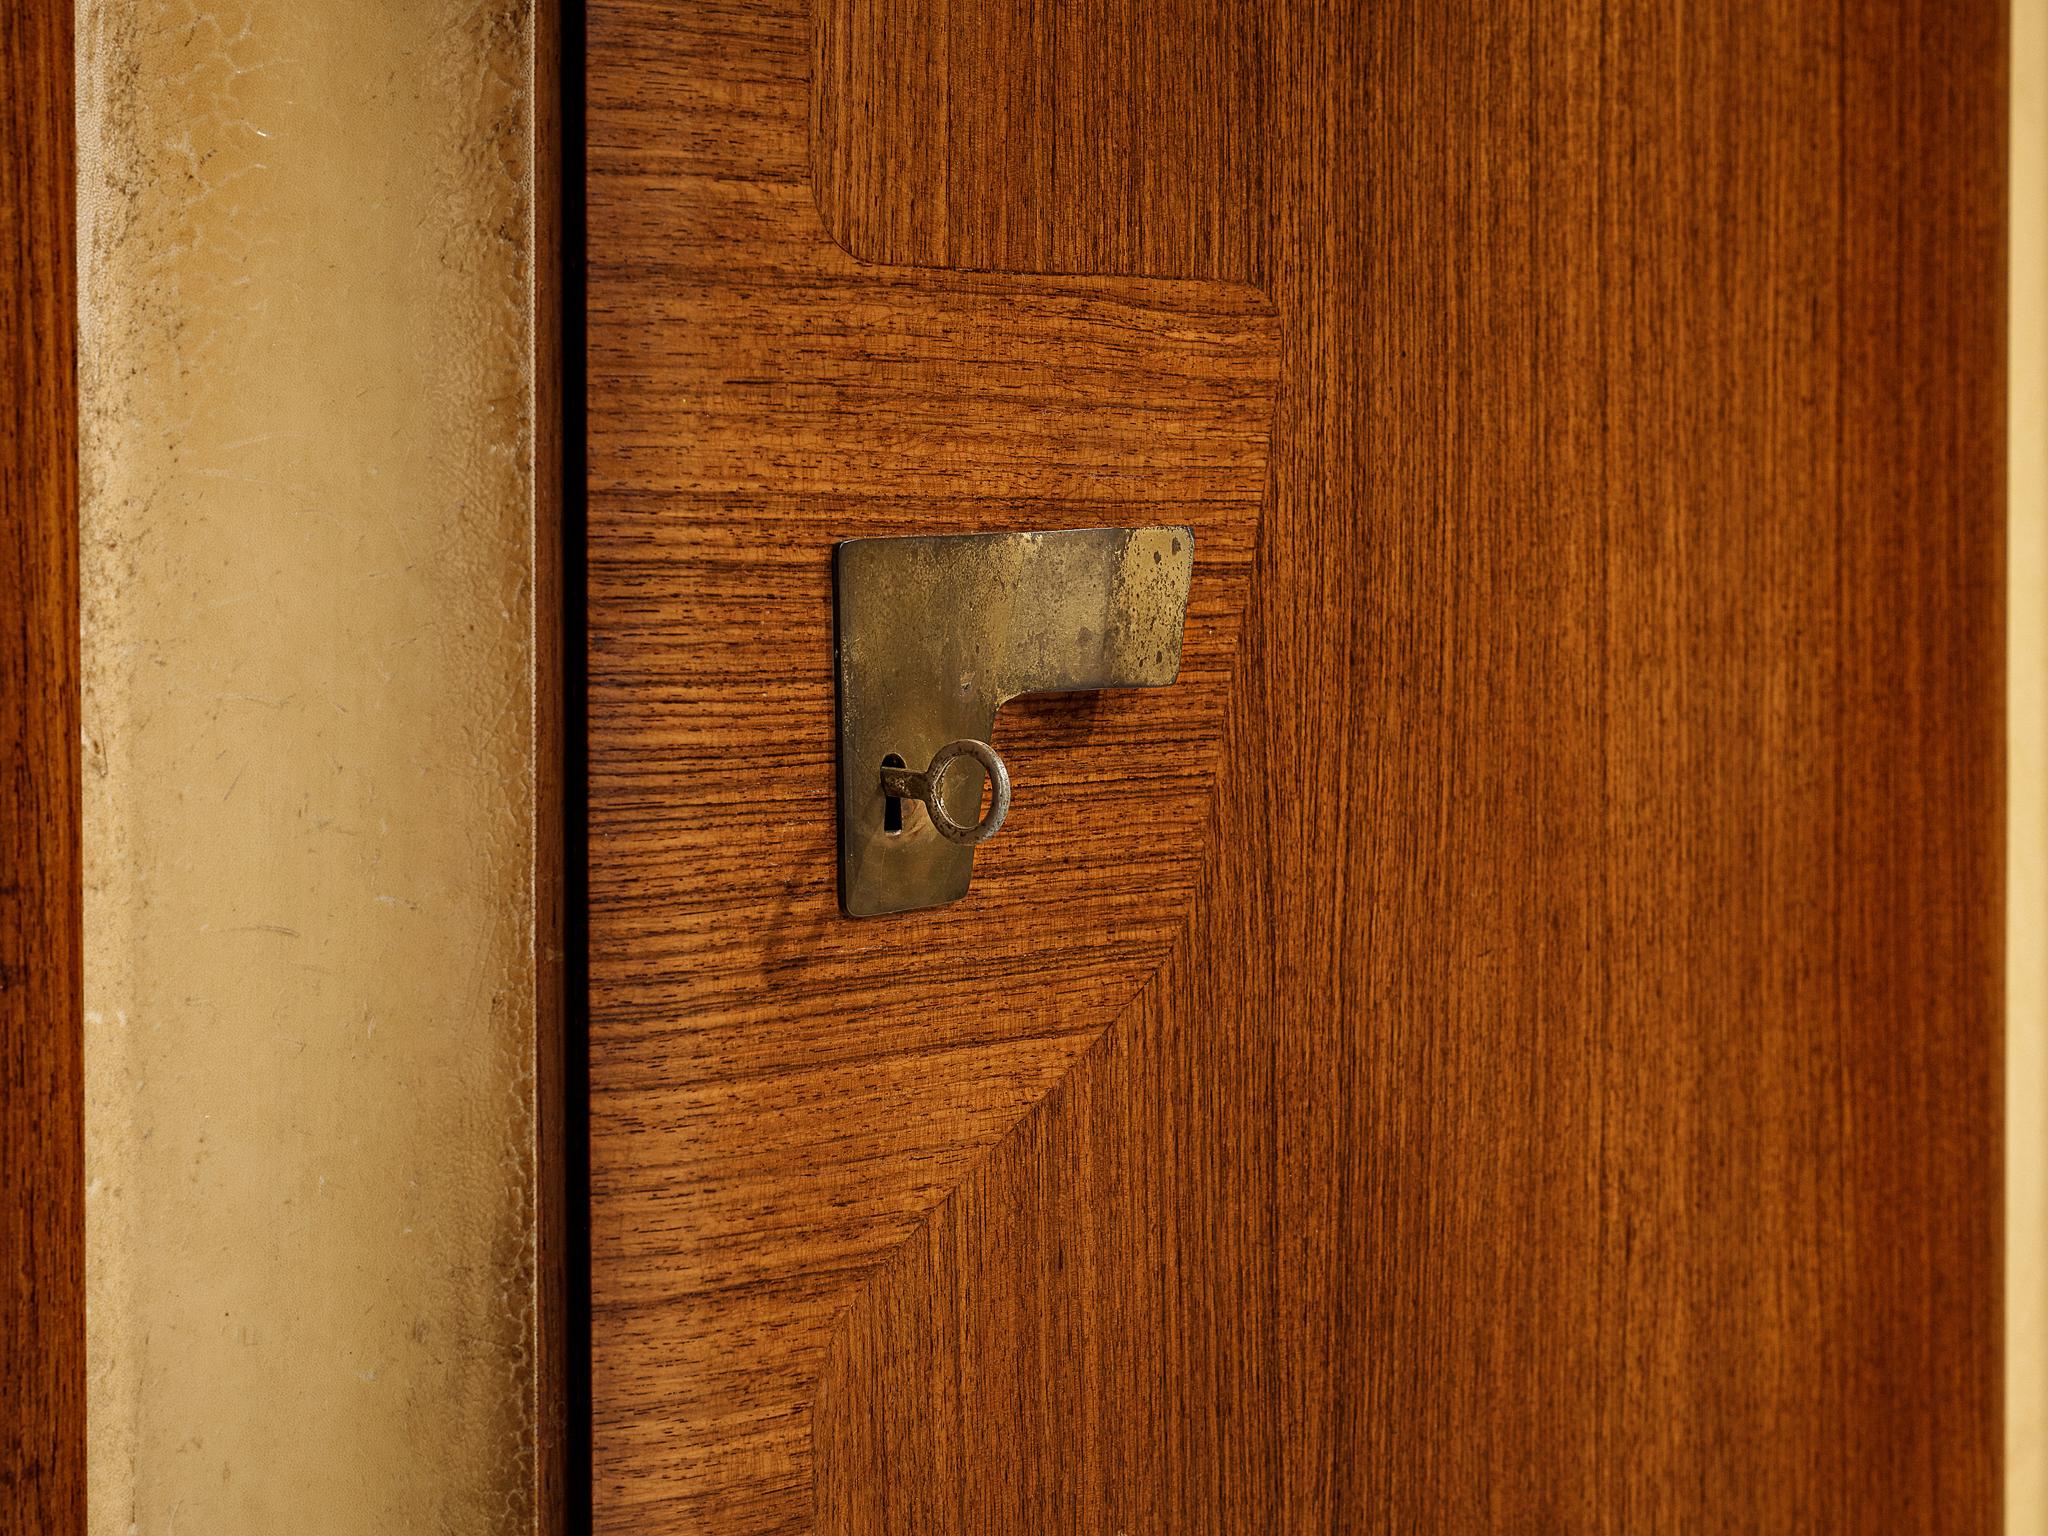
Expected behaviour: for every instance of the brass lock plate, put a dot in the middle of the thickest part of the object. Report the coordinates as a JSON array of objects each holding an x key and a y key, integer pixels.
[{"x": 935, "y": 635}]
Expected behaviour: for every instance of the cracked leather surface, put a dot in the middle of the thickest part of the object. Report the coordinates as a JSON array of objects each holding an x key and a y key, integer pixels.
[{"x": 309, "y": 760}]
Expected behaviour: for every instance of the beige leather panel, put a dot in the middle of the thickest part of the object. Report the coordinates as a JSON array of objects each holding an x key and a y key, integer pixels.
[{"x": 306, "y": 316}]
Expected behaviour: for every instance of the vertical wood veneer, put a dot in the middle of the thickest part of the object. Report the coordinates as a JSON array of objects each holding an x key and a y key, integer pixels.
[
  {"x": 42, "y": 1159},
  {"x": 1571, "y": 1098}
]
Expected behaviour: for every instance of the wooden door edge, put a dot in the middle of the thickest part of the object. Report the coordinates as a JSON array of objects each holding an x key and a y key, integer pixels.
[
  {"x": 560, "y": 1402},
  {"x": 2026, "y": 939},
  {"x": 42, "y": 1185}
]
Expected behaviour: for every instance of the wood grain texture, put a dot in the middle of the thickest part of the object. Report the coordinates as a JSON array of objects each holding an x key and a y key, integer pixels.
[
  {"x": 1100, "y": 136},
  {"x": 1596, "y": 1128},
  {"x": 1570, "y": 1100},
  {"x": 42, "y": 1182},
  {"x": 778, "y": 1094}
]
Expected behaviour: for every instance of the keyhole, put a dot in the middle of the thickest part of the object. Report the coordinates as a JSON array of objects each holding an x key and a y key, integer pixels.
[{"x": 892, "y": 805}]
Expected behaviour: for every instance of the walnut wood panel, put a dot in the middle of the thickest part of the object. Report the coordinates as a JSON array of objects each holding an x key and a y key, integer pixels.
[
  {"x": 778, "y": 1094},
  {"x": 42, "y": 1158},
  {"x": 1594, "y": 1127},
  {"x": 1564, "y": 1095}
]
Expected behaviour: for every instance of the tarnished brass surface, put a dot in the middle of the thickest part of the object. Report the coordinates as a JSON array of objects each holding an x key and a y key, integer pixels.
[
  {"x": 935, "y": 635},
  {"x": 307, "y": 407}
]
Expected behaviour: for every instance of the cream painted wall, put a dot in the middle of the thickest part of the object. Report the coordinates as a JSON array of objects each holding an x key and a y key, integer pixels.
[{"x": 308, "y": 618}]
